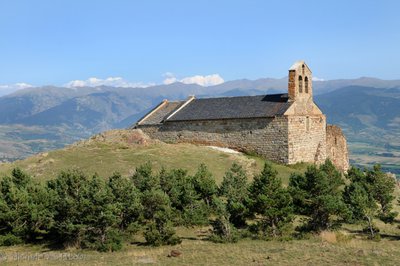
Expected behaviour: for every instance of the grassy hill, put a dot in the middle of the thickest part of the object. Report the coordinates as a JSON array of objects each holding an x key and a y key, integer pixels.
[
  {"x": 46, "y": 118},
  {"x": 122, "y": 151}
]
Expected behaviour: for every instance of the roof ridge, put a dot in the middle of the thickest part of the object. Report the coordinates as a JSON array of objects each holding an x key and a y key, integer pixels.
[
  {"x": 241, "y": 96},
  {"x": 187, "y": 102}
]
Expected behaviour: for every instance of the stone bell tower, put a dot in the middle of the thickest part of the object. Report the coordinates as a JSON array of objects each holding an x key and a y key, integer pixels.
[{"x": 300, "y": 82}]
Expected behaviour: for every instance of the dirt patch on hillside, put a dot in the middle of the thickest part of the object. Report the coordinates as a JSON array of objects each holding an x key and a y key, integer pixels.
[{"x": 119, "y": 136}]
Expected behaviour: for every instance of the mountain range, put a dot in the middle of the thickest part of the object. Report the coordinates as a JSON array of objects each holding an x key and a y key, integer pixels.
[{"x": 37, "y": 119}]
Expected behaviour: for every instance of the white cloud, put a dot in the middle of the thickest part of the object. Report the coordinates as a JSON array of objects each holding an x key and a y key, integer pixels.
[
  {"x": 208, "y": 80},
  {"x": 17, "y": 86},
  {"x": 169, "y": 78},
  {"x": 110, "y": 81},
  {"x": 317, "y": 79},
  {"x": 9, "y": 88}
]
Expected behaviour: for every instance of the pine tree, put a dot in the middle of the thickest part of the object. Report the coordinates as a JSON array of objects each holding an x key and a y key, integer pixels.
[
  {"x": 144, "y": 179},
  {"x": 271, "y": 202},
  {"x": 127, "y": 197},
  {"x": 235, "y": 189},
  {"x": 204, "y": 184},
  {"x": 26, "y": 209},
  {"x": 318, "y": 194},
  {"x": 382, "y": 189},
  {"x": 158, "y": 212},
  {"x": 369, "y": 195},
  {"x": 188, "y": 207},
  {"x": 360, "y": 202},
  {"x": 86, "y": 214}
]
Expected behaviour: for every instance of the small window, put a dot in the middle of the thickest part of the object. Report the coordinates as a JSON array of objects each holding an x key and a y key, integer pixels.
[
  {"x": 306, "y": 84},
  {"x": 307, "y": 124},
  {"x": 300, "y": 84}
]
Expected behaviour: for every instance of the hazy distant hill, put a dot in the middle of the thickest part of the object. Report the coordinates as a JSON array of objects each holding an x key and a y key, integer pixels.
[
  {"x": 331, "y": 85},
  {"x": 362, "y": 107},
  {"x": 109, "y": 106},
  {"x": 36, "y": 119}
]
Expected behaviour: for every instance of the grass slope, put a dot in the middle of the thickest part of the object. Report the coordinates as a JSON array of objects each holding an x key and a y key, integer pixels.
[
  {"x": 319, "y": 250},
  {"x": 122, "y": 151}
]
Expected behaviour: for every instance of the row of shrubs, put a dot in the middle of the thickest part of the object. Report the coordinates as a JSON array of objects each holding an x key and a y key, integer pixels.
[{"x": 96, "y": 213}]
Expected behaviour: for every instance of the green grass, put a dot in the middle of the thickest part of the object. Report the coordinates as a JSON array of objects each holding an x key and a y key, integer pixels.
[
  {"x": 317, "y": 250},
  {"x": 104, "y": 158}
]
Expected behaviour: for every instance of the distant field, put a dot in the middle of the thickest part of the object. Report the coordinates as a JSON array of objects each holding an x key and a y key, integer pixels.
[
  {"x": 367, "y": 154},
  {"x": 20, "y": 141}
]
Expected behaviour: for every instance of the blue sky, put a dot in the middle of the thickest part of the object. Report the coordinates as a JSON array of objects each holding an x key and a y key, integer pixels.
[{"x": 55, "y": 42}]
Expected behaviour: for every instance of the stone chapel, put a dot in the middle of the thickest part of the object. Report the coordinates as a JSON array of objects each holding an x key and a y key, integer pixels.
[{"x": 286, "y": 128}]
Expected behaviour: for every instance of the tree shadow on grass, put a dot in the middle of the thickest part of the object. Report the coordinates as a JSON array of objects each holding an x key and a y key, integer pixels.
[
  {"x": 47, "y": 245},
  {"x": 194, "y": 238},
  {"x": 139, "y": 243},
  {"x": 362, "y": 234},
  {"x": 396, "y": 221},
  {"x": 390, "y": 237}
]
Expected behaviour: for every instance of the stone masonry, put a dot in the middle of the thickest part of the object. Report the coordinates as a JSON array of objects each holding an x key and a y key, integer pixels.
[
  {"x": 285, "y": 128},
  {"x": 336, "y": 147},
  {"x": 264, "y": 136}
]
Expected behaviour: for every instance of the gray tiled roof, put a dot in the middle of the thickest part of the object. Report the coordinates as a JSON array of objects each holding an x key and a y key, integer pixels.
[
  {"x": 163, "y": 112},
  {"x": 233, "y": 107}
]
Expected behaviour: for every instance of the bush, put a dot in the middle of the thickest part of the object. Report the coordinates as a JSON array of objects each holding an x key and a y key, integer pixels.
[
  {"x": 161, "y": 232},
  {"x": 10, "y": 240},
  {"x": 223, "y": 231},
  {"x": 111, "y": 240}
]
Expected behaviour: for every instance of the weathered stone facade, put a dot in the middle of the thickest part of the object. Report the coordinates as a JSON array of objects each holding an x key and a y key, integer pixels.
[
  {"x": 307, "y": 139},
  {"x": 287, "y": 128},
  {"x": 264, "y": 136},
  {"x": 336, "y": 147}
]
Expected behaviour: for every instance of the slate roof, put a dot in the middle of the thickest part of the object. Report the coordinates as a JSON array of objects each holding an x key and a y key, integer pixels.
[
  {"x": 233, "y": 107},
  {"x": 162, "y": 113}
]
